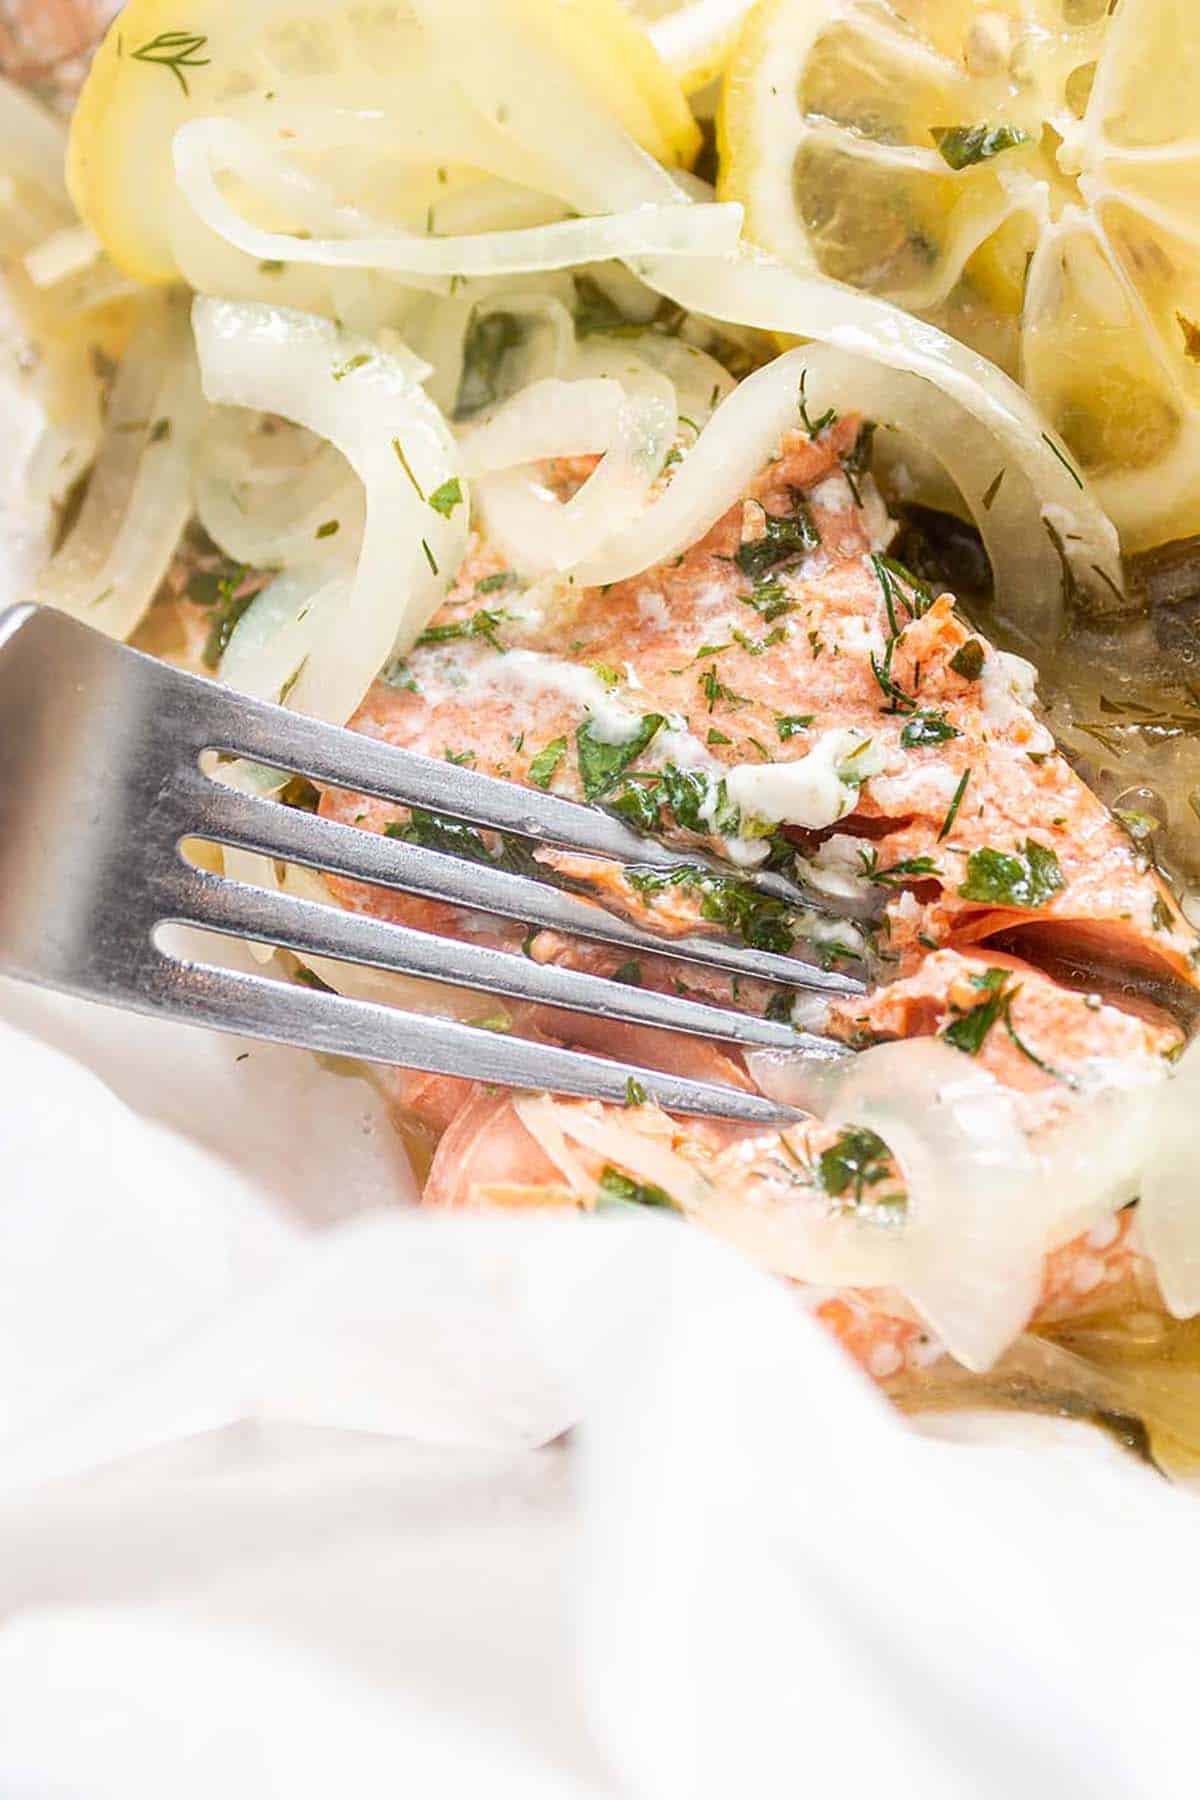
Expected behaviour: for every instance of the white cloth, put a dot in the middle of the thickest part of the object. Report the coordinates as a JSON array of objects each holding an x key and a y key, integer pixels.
[{"x": 306, "y": 1494}]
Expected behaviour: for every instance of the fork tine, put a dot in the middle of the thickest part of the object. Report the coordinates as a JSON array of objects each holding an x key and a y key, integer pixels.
[
  {"x": 256, "y": 1006},
  {"x": 349, "y": 759},
  {"x": 307, "y": 926},
  {"x": 227, "y": 815}
]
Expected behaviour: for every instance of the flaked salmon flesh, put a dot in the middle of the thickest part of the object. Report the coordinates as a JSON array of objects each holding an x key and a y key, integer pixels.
[{"x": 785, "y": 690}]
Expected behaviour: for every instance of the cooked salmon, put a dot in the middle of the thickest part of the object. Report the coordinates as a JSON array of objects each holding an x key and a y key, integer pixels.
[{"x": 785, "y": 694}]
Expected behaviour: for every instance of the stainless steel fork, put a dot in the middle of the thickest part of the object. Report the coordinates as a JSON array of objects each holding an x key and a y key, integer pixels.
[{"x": 103, "y": 776}]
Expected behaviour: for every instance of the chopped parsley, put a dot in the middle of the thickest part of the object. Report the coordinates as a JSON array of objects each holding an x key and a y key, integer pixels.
[
  {"x": 769, "y": 600},
  {"x": 909, "y": 868},
  {"x": 433, "y": 831},
  {"x": 814, "y": 427},
  {"x": 635, "y": 1093},
  {"x": 462, "y": 758},
  {"x": 616, "y": 1189},
  {"x": 757, "y": 919},
  {"x": 219, "y": 591},
  {"x": 717, "y": 737},
  {"x": 329, "y": 529},
  {"x": 629, "y": 974},
  {"x": 926, "y": 728},
  {"x": 444, "y": 499},
  {"x": 1025, "y": 879},
  {"x": 968, "y": 660},
  {"x": 601, "y": 765},
  {"x": 489, "y": 339},
  {"x": 497, "y": 583},
  {"x": 785, "y": 539},
  {"x": 857, "y": 1160},
  {"x": 482, "y": 624},
  {"x": 969, "y": 1031},
  {"x": 541, "y": 769},
  {"x": 714, "y": 690},
  {"x": 961, "y": 146},
  {"x": 788, "y": 724}
]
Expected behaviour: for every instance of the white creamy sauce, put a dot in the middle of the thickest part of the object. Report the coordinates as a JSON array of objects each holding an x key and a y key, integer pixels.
[
  {"x": 532, "y": 672},
  {"x": 816, "y": 790},
  {"x": 835, "y": 868},
  {"x": 916, "y": 788}
]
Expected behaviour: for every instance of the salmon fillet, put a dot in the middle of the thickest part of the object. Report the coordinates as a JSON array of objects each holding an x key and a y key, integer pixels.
[{"x": 784, "y": 694}]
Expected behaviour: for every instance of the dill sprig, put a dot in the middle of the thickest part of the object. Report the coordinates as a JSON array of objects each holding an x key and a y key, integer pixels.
[{"x": 175, "y": 50}]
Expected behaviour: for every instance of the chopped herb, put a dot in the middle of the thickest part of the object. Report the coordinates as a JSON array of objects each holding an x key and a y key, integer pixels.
[
  {"x": 1161, "y": 917},
  {"x": 463, "y": 758},
  {"x": 1075, "y": 476},
  {"x": 909, "y": 868},
  {"x": 444, "y": 499},
  {"x": 397, "y": 674},
  {"x": 271, "y": 265},
  {"x": 814, "y": 427},
  {"x": 714, "y": 690},
  {"x": 968, "y": 660},
  {"x": 857, "y": 460},
  {"x": 329, "y": 529},
  {"x": 175, "y": 50},
  {"x": 433, "y": 831},
  {"x": 969, "y": 1031},
  {"x": 956, "y": 802},
  {"x": 398, "y": 447},
  {"x": 429, "y": 556},
  {"x": 623, "y": 1190},
  {"x": 228, "y": 607},
  {"x": 497, "y": 1021},
  {"x": 638, "y": 805},
  {"x": 541, "y": 769},
  {"x": 160, "y": 431},
  {"x": 495, "y": 584},
  {"x": 785, "y": 539},
  {"x": 601, "y": 764},
  {"x": 757, "y": 919},
  {"x": 629, "y": 974},
  {"x": 788, "y": 724},
  {"x": 717, "y": 737},
  {"x": 482, "y": 624},
  {"x": 926, "y": 728},
  {"x": 769, "y": 600},
  {"x": 1020, "y": 1044},
  {"x": 488, "y": 341},
  {"x": 635, "y": 1093},
  {"x": 989, "y": 498},
  {"x": 352, "y": 366},
  {"x": 1012, "y": 878},
  {"x": 606, "y": 673},
  {"x": 899, "y": 701},
  {"x": 857, "y": 1160},
  {"x": 961, "y": 146}
]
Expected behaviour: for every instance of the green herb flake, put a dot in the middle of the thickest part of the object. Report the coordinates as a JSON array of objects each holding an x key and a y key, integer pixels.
[
  {"x": 329, "y": 529},
  {"x": 601, "y": 765},
  {"x": 970, "y": 1030},
  {"x": 927, "y": 728},
  {"x": 462, "y": 759},
  {"x": 1025, "y": 879},
  {"x": 635, "y": 1093},
  {"x": 352, "y": 365},
  {"x": 629, "y": 974},
  {"x": 444, "y": 499},
  {"x": 952, "y": 814},
  {"x": 769, "y": 599},
  {"x": 788, "y": 724},
  {"x": 785, "y": 539},
  {"x": 968, "y": 660},
  {"x": 160, "y": 431},
  {"x": 482, "y": 624},
  {"x": 177, "y": 51},
  {"x": 616, "y": 1189},
  {"x": 398, "y": 447},
  {"x": 497, "y": 583},
  {"x": 814, "y": 427},
  {"x": 714, "y": 690},
  {"x": 962, "y": 146},
  {"x": 489, "y": 339},
  {"x": 717, "y": 737},
  {"x": 541, "y": 769},
  {"x": 857, "y": 1160}
]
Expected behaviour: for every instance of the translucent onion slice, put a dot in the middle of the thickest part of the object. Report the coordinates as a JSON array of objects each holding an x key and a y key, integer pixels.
[
  {"x": 751, "y": 289},
  {"x": 139, "y": 496},
  {"x": 268, "y": 510},
  {"x": 741, "y": 435},
  {"x": 204, "y": 146},
  {"x": 638, "y": 419},
  {"x": 364, "y": 400},
  {"x": 1169, "y": 1213}
]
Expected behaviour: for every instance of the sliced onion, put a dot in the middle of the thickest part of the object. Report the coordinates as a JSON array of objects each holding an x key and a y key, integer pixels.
[
  {"x": 138, "y": 499},
  {"x": 539, "y": 533},
  {"x": 269, "y": 510},
  {"x": 33, "y": 148},
  {"x": 751, "y": 289},
  {"x": 643, "y": 1149},
  {"x": 548, "y": 418},
  {"x": 494, "y": 55},
  {"x": 742, "y": 434},
  {"x": 279, "y": 629},
  {"x": 204, "y": 145},
  {"x": 1169, "y": 1213},
  {"x": 362, "y": 399}
]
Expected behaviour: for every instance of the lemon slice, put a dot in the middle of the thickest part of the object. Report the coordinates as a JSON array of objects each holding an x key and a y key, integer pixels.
[
  {"x": 1025, "y": 174},
  {"x": 693, "y": 37},
  {"x": 262, "y": 60}
]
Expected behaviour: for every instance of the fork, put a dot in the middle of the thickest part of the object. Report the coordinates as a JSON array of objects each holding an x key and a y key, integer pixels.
[{"x": 105, "y": 773}]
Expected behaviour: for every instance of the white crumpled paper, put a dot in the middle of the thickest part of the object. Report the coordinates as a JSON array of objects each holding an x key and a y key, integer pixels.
[{"x": 307, "y": 1494}]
